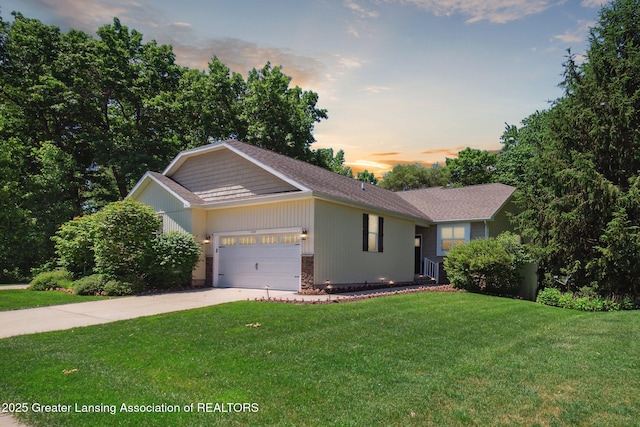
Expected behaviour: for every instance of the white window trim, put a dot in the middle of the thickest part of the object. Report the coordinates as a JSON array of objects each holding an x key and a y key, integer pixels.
[{"x": 467, "y": 235}]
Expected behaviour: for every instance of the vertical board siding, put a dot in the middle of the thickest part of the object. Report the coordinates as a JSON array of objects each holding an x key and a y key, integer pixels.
[
  {"x": 477, "y": 230},
  {"x": 501, "y": 221},
  {"x": 224, "y": 175},
  {"x": 176, "y": 217},
  {"x": 339, "y": 257},
  {"x": 297, "y": 214}
]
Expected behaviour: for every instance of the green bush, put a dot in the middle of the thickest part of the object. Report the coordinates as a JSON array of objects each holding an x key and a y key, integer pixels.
[
  {"x": 553, "y": 297},
  {"x": 51, "y": 280},
  {"x": 74, "y": 244},
  {"x": 90, "y": 285},
  {"x": 123, "y": 287},
  {"x": 171, "y": 259},
  {"x": 125, "y": 231},
  {"x": 549, "y": 296},
  {"x": 487, "y": 265}
]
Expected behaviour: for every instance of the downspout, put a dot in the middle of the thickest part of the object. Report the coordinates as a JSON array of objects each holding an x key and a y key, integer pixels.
[{"x": 486, "y": 229}]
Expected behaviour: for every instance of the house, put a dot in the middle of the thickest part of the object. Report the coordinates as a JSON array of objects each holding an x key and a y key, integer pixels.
[
  {"x": 265, "y": 219},
  {"x": 459, "y": 214}
]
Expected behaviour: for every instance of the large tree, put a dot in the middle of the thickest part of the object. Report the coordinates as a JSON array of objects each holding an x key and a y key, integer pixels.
[
  {"x": 582, "y": 198},
  {"x": 278, "y": 117},
  {"x": 82, "y": 118},
  {"x": 471, "y": 167},
  {"x": 414, "y": 176}
]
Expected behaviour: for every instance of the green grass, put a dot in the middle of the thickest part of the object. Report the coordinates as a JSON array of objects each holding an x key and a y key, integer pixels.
[
  {"x": 14, "y": 299},
  {"x": 421, "y": 359}
]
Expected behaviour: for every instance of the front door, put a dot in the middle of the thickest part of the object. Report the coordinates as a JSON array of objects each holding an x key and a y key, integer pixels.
[{"x": 417, "y": 269}]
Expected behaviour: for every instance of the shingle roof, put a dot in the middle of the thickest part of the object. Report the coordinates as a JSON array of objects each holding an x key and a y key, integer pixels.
[
  {"x": 332, "y": 185},
  {"x": 436, "y": 204},
  {"x": 474, "y": 202},
  {"x": 177, "y": 188}
]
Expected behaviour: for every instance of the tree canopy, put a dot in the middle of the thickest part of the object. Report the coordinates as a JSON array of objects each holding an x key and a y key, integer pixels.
[
  {"x": 414, "y": 176},
  {"x": 82, "y": 119},
  {"x": 580, "y": 194}
]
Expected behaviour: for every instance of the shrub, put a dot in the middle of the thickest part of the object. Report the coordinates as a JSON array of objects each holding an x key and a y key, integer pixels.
[
  {"x": 566, "y": 301},
  {"x": 51, "y": 280},
  {"x": 123, "y": 287},
  {"x": 487, "y": 265},
  {"x": 90, "y": 285},
  {"x": 549, "y": 296},
  {"x": 74, "y": 244},
  {"x": 553, "y": 297},
  {"x": 171, "y": 259},
  {"x": 124, "y": 233}
]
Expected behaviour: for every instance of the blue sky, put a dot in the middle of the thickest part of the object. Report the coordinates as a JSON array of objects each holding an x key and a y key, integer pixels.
[{"x": 403, "y": 80}]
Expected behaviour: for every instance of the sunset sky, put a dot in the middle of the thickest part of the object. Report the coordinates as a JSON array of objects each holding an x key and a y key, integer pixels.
[{"x": 403, "y": 80}]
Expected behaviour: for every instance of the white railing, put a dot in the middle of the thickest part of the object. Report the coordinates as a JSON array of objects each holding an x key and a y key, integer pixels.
[{"x": 431, "y": 269}]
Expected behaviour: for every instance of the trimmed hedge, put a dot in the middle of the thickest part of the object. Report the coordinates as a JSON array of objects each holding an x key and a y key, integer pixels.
[{"x": 487, "y": 265}]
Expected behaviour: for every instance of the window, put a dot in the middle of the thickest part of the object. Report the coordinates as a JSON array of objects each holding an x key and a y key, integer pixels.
[
  {"x": 290, "y": 238},
  {"x": 247, "y": 240},
  {"x": 227, "y": 241},
  {"x": 451, "y": 235},
  {"x": 372, "y": 233},
  {"x": 269, "y": 239}
]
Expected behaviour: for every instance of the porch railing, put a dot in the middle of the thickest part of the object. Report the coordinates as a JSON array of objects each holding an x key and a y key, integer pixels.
[{"x": 431, "y": 269}]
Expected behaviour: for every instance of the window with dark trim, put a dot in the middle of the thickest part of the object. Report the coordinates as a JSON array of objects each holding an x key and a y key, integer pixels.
[{"x": 372, "y": 233}]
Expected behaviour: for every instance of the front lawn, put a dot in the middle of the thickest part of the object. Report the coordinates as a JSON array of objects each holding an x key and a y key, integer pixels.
[
  {"x": 14, "y": 299},
  {"x": 419, "y": 359}
]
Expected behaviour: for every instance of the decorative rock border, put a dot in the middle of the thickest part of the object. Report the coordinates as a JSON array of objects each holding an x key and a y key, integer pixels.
[{"x": 337, "y": 298}]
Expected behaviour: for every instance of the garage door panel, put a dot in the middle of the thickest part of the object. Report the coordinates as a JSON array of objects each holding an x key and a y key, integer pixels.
[{"x": 258, "y": 265}]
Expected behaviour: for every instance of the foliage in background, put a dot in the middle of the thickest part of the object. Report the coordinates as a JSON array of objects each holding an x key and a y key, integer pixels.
[
  {"x": 368, "y": 177},
  {"x": 324, "y": 157},
  {"x": 51, "y": 280},
  {"x": 579, "y": 189},
  {"x": 171, "y": 259},
  {"x": 472, "y": 167},
  {"x": 82, "y": 118},
  {"x": 489, "y": 265},
  {"x": 414, "y": 176}
]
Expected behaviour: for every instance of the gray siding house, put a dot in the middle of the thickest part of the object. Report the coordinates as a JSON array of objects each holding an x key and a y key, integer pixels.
[
  {"x": 458, "y": 215},
  {"x": 265, "y": 219}
]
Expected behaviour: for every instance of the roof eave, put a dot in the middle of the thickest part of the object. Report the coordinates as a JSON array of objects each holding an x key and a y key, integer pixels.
[
  {"x": 349, "y": 202},
  {"x": 257, "y": 200},
  {"x": 143, "y": 182}
]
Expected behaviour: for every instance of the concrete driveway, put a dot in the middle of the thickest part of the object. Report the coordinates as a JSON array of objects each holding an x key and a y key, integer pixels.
[{"x": 60, "y": 317}]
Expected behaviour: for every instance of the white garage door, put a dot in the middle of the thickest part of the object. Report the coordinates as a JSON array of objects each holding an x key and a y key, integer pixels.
[{"x": 258, "y": 260}]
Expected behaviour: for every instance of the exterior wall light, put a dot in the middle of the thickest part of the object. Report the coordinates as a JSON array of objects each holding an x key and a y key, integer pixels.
[
  {"x": 304, "y": 234},
  {"x": 207, "y": 239}
]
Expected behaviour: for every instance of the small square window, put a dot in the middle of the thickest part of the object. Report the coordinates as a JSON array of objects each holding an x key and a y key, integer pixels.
[
  {"x": 452, "y": 235},
  {"x": 247, "y": 240},
  {"x": 270, "y": 239},
  {"x": 227, "y": 241}
]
